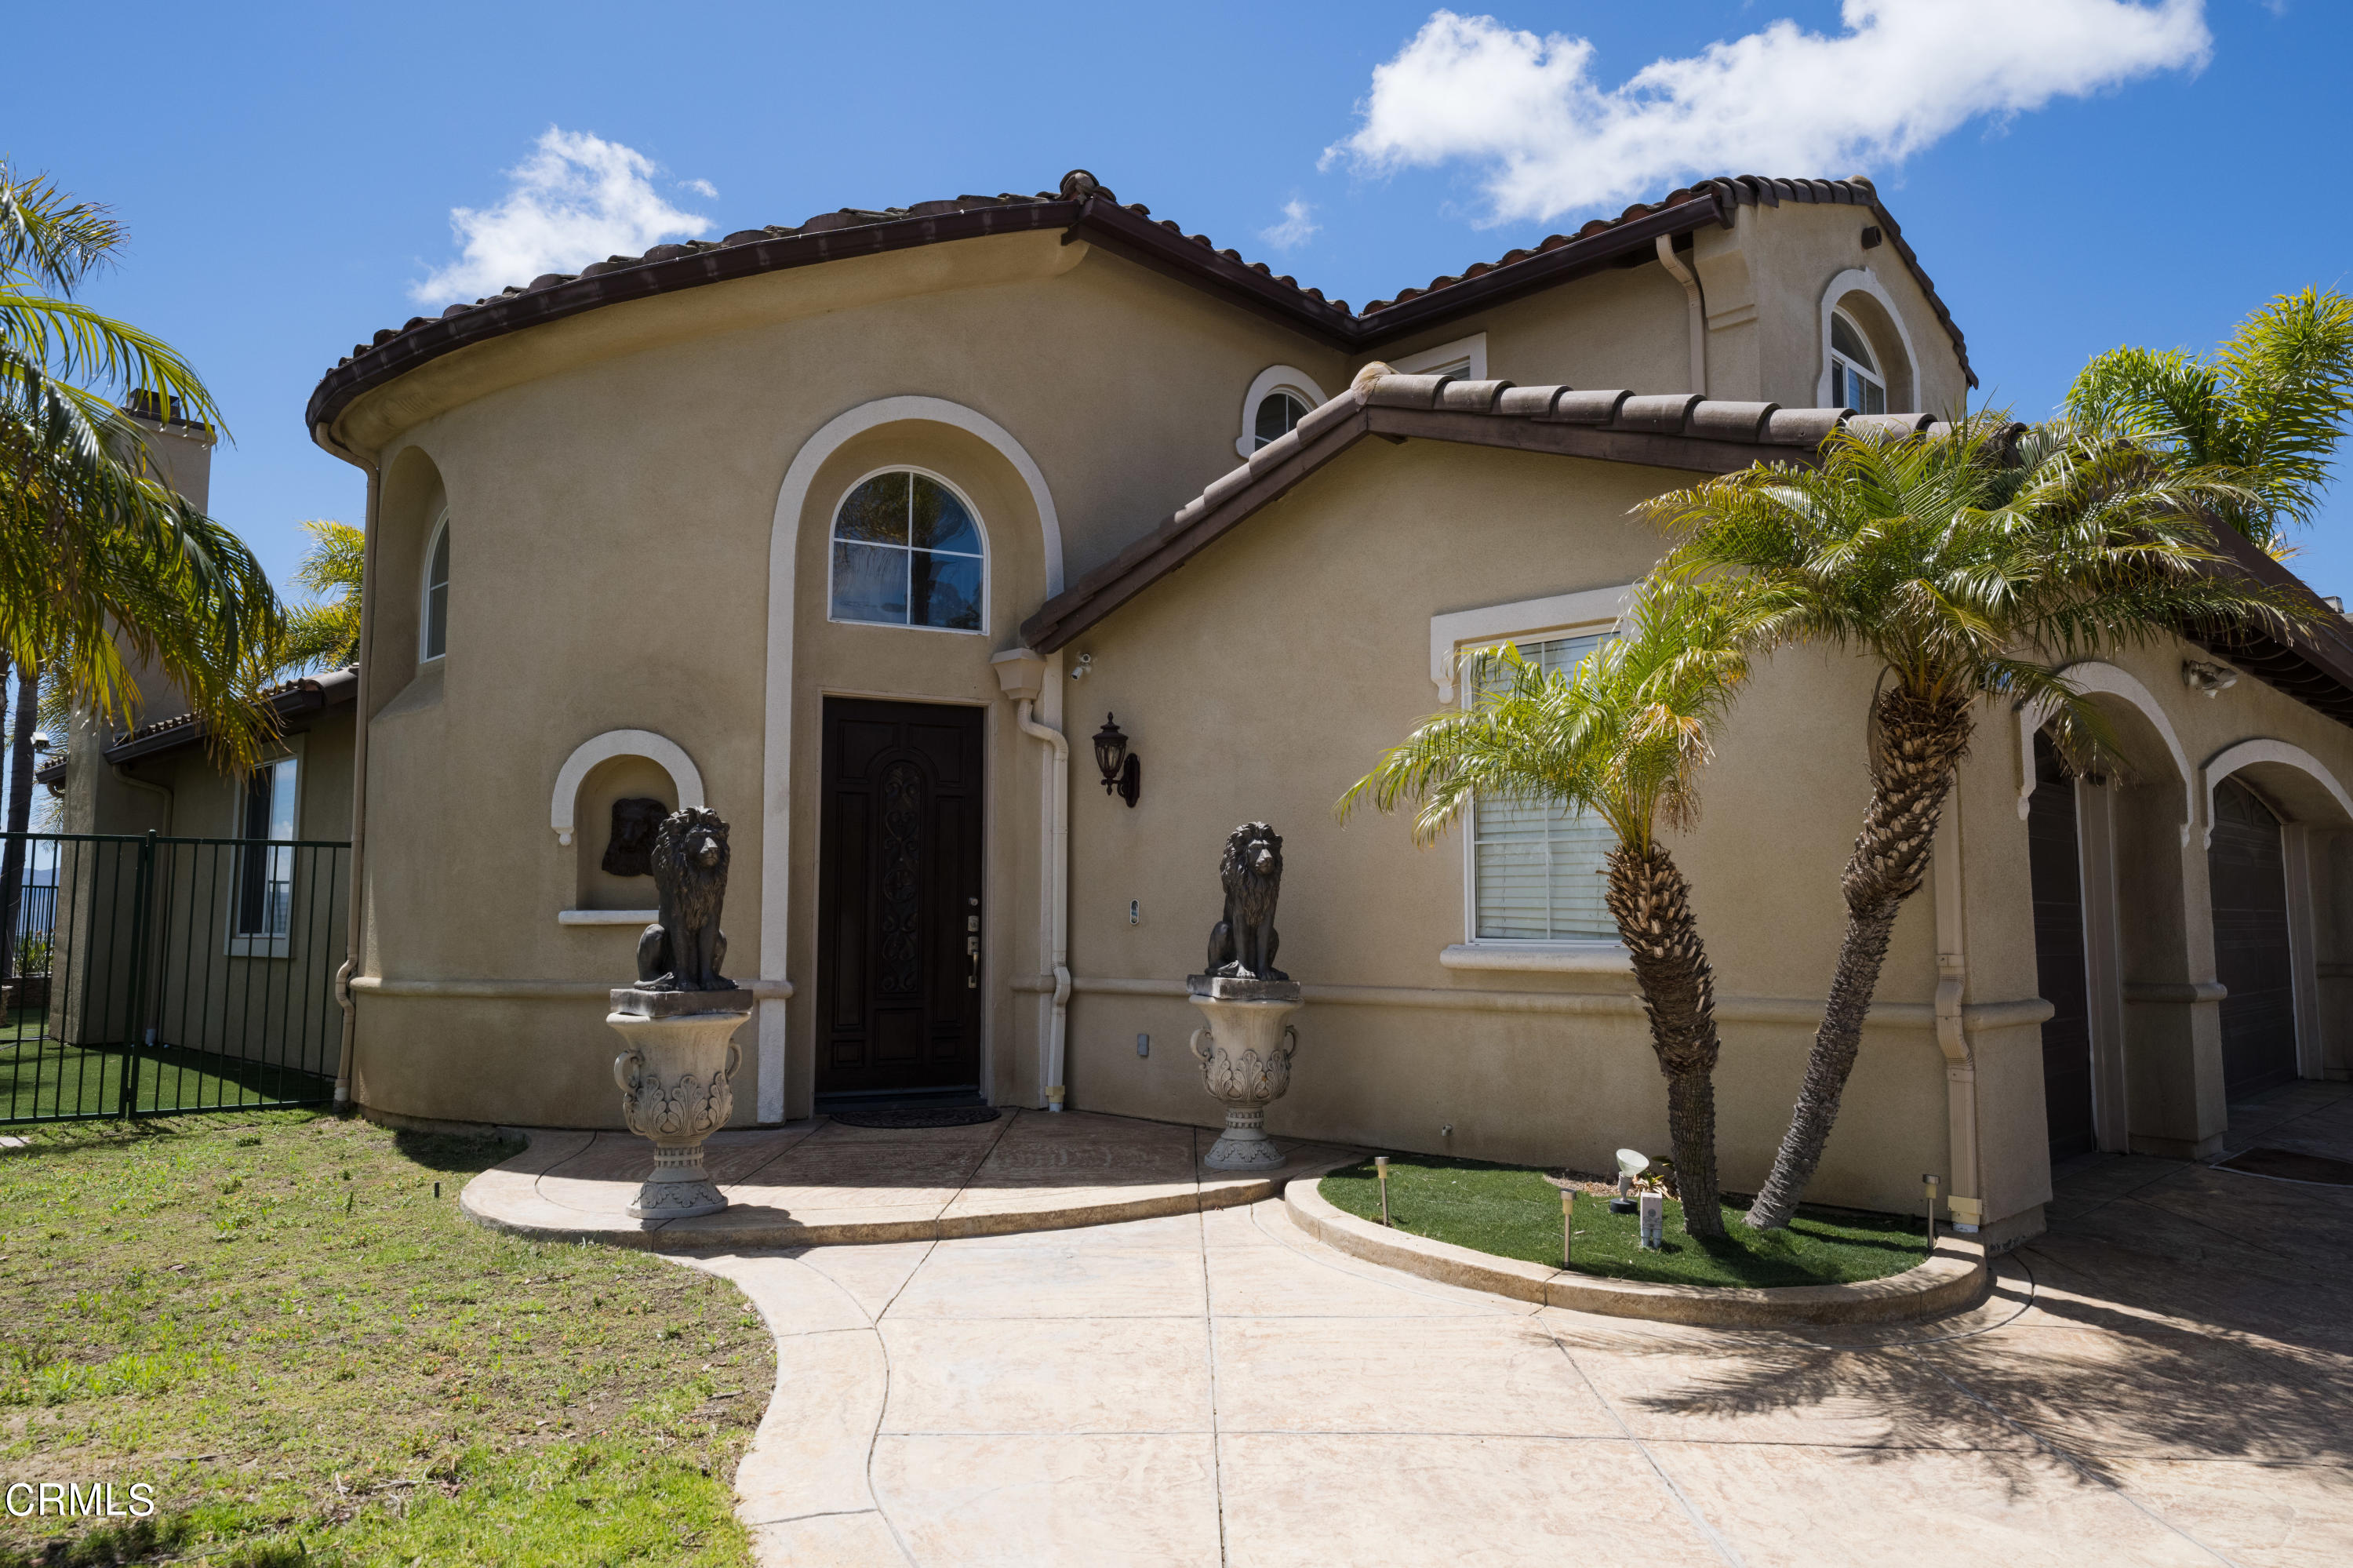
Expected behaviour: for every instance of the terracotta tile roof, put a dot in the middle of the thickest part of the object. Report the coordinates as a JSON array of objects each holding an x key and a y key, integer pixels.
[
  {"x": 1082, "y": 207},
  {"x": 287, "y": 699},
  {"x": 1726, "y": 194},
  {"x": 1675, "y": 430}
]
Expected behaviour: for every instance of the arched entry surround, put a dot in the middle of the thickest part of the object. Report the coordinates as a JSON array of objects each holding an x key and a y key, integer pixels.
[
  {"x": 2148, "y": 936},
  {"x": 776, "y": 754},
  {"x": 2311, "y": 803}
]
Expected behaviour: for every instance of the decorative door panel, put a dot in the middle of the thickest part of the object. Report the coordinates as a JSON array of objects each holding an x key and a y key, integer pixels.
[{"x": 899, "y": 898}]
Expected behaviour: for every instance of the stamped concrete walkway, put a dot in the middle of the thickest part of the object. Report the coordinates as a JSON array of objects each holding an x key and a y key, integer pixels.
[{"x": 2165, "y": 1378}]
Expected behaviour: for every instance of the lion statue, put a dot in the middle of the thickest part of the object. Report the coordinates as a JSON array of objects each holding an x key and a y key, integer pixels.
[
  {"x": 684, "y": 947},
  {"x": 1243, "y": 945}
]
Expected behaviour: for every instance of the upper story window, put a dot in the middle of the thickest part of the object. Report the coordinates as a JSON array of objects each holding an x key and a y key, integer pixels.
[
  {"x": 1856, "y": 380},
  {"x": 907, "y": 551},
  {"x": 434, "y": 631},
  {"x": 1277, "y": 414},
  {"x": 1538, "y": 870}
]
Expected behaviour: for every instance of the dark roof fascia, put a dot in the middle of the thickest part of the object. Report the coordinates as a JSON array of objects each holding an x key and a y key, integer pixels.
[
  {"x": 1187, "y": 533},
  {"x": 2312, "y": 664},
  {"x": 295, "y": 709},
  {"x": 1517, "y": 280},
  {"x": 1162, "y": 248}
]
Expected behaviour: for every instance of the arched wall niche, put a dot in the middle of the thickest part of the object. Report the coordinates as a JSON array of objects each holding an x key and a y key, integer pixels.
[
  {"x": 413, "y": 500},
  {"x": 620, "y": 764},
  {"x": 1859, "y": 292}
]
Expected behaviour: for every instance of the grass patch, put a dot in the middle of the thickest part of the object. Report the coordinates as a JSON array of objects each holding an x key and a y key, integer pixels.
[
  {"x": 272, "y": 1320},
  {"x": 1511, "y": 1211},
  {"x": 42, "y": 1079}
]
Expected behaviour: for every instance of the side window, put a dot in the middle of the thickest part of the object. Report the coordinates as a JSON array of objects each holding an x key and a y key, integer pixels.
[
  {"x": 907, "y": 551},
  {"x": 1537, "y": 870},
  {"x": 1277, "y": 413},
  {"x": 265, "y": 871},
  {"x": 434, "y": 632},
  {"x": 1856, "y": 380}
]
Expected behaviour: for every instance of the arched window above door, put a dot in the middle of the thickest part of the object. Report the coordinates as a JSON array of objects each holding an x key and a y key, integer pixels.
[{"x": 908, "y": 550}]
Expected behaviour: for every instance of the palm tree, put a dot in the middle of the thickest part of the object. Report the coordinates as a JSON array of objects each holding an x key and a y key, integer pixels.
[
  {"x": 2269, "y": 407},
  {"x": 100, "y": 563},
  {"x": 324, "y": 634},
  {"x": 1970, "y": 563},
  {"x": 1622, "y": 735}
]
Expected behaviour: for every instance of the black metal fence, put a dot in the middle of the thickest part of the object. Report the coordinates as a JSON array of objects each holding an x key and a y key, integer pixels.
[{"x": 154, "y": 976}]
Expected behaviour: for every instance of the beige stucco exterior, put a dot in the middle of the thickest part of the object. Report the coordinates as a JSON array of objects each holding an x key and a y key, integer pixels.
[{"x": 639, "y": 499}]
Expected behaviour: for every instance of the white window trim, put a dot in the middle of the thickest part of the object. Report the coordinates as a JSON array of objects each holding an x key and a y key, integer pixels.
[
  {"x": 1465, "y": 357},
  {"x": 1863, "y": 280},
  {"x": 1560, "y": 615},
  {"x": 235, "y": 944},
  {"x": 1272, "y": 379},
  {"x": 1871, "y": 374},
  {"x": 660, "y": 750},
  {"x": 424, "y": 595},
  {"x": 833, "y": 520}
]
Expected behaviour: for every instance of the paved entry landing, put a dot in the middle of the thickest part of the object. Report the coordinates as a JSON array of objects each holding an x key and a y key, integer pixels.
[{"x": 819, "y": 1181}]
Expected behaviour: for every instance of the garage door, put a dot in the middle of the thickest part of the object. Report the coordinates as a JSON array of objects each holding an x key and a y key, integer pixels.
[
  {"x": 2058, "y": 888},
  {"x": 2250, "y": 888}
]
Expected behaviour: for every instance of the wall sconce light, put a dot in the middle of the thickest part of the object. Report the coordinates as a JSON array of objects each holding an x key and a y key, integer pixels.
[{"x": 1122, "y": 774}]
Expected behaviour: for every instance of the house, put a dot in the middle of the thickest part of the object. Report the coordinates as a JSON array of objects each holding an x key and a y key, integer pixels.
[{"x": 860, "y": 531}]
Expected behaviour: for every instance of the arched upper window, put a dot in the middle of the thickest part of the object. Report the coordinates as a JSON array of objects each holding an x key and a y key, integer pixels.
[
  {"x": 434, "y": 624},
  {"x": 1277, "y": 413},
  {"x": 1856, "y": 380},
  {"x": 908, "y": 551}
]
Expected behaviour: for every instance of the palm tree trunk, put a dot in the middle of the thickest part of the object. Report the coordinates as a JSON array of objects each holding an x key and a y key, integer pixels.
[
  {"x": 20, "y": 811},
  {"x": 1919, "y": 742},
  {"x": 1652, "y": 905}
]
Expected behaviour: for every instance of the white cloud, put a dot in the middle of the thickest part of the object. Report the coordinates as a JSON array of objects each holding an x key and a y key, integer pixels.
[
  {"x": 1297, "y": 228},
  {"x": 703, "y": 189},
  {"x": 1905, "y": 73},
  {"x": 576, "y": 199}
]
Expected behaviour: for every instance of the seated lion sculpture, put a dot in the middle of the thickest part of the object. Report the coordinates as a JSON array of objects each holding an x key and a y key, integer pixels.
[
  {"x": 1243, "y": 945},
  {"x": 683, "y": 949}
]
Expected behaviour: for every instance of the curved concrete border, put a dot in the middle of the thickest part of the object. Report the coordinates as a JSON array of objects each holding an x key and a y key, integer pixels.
[
  {"x": 506, "y": 1198},
  {"x": 1955, "y": 1276}
]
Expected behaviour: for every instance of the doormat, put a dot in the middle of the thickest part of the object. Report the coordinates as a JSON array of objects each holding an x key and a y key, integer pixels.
[
  {"x": 2290, "y": 1165},
  {"x": 918, "y": 1116}
]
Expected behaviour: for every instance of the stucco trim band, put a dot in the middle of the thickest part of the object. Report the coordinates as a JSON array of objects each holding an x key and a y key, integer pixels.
[
  {"x": 2232, "y": 758},
  {"x": 2095, "y": 678},
  {"x": 525, "y": 990}
]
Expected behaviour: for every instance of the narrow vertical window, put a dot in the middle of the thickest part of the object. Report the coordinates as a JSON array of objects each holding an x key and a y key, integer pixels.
[
  {"x": 1856, "y": 382},
  {"x": 265, "y": 881},
  {"x": 436, "y": 595},
  {"x": 1536, "y": 868}
]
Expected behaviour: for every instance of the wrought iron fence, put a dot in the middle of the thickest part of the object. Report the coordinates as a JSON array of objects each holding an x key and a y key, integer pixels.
[{"x": 181, "y": 975}]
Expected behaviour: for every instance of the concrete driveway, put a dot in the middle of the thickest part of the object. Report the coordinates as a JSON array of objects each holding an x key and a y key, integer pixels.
[{"x": 2165, "y": 1378}]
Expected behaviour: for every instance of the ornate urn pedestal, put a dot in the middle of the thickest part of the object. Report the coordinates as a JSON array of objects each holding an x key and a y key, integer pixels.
[
  {"x": 674, "y": 1088},
  {"x": 1245, "y": 1054}
]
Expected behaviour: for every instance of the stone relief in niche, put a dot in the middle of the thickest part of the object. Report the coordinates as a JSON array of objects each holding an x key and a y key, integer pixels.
[{"x": 630, "y": 850}]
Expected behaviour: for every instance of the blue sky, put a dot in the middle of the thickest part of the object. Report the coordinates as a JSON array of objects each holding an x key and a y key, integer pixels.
[{"x": 288, "y": 172}]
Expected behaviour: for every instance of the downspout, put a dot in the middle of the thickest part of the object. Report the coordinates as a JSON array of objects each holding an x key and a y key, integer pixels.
[
  {"x": 1694, "y": 306},
  {"x": 1967, "y": 1198},
  {"x": 1058, "y": 849},
  {"x": 360, "y": 714}
]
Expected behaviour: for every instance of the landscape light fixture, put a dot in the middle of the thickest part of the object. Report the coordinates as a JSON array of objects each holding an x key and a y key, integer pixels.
[
  {"x": 1381, "y": 1170},
  {"x": 1122, "y": 774},
  {"x": 1654, "y": 1220},
  {"x": 1930, "y": 1182},
  {"x": 1632, "y": 1163}
]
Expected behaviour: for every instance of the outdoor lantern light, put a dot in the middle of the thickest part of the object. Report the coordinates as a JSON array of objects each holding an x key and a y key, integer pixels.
[{"x": 1122, "y": 774}]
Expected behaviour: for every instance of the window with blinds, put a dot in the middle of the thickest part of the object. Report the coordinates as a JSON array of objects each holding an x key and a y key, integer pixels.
[{"x": 1536, "y": 870}]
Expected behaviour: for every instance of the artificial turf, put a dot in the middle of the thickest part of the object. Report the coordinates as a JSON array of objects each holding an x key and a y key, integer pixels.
[
  {"x": 275, "y": 1321},
  {"x": 1512, "y": 1212}
]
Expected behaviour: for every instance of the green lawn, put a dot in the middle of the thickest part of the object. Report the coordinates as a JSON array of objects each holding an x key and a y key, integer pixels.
[
  {"x": 1512, "y": 1212},
  {"x": 42, "y": 1080},
  {"x": 271, "y": 1319}
]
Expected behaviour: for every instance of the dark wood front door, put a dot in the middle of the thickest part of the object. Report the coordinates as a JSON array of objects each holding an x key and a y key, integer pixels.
[
  {"x": 2248, "y": 874},
  {"x": 898, "y": 899},
  {"x": 2054, "y": 868}
]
